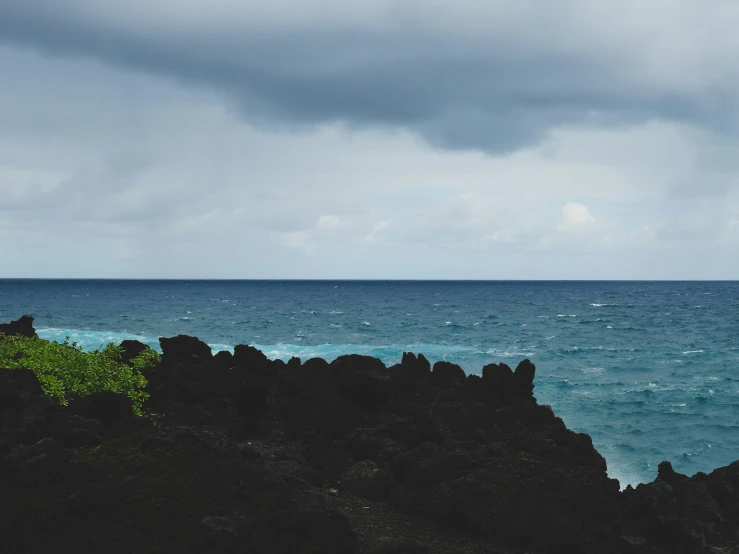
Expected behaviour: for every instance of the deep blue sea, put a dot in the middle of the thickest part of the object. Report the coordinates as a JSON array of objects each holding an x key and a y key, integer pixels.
[{"x": 649, "y": 369}]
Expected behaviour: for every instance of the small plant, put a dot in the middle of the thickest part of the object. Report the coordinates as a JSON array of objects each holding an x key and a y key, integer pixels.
[
  {"x": 65, "y": 371},
  {"x": 146, "y": 361}
]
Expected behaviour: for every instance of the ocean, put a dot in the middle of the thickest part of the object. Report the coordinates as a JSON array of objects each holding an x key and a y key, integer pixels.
[{"x": 650, "y": 370}]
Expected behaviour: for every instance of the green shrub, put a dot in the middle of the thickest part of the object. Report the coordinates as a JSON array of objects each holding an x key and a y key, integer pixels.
[{"x": 66, "y": 371}]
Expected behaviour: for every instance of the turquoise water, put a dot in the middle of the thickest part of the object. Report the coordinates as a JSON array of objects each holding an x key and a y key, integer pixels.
[{"x": 649, "y": 369}]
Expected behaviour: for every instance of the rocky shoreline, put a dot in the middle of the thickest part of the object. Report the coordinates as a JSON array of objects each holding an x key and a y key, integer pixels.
[{"x": 238, "y": 453}]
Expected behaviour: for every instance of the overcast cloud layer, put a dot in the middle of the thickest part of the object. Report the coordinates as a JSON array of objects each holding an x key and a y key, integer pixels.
[{"x": 381, "y": 139}]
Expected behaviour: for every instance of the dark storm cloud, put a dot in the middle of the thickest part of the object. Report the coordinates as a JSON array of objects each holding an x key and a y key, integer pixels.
[{"x": 493, "y": 95}]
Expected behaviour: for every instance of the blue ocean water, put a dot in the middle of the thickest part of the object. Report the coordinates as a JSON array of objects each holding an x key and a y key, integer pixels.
[{"x": 649, "y": 369}]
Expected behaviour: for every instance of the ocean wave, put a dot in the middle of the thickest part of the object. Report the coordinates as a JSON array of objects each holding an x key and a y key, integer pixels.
[
  {"x": 389, "y": 354},
  {"x": 624, "y": 446},
  {"x": 509, "y": 353},
  {"x": 593, "y": 370},
  {"x": 92, "y": 340},
  {"x": 221, "y": 347}
]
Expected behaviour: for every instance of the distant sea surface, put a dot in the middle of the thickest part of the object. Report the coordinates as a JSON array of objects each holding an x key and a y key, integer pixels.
[{"x": 649, "y": 369}]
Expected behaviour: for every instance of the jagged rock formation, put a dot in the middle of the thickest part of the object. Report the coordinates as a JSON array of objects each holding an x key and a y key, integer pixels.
[
  {"x": 21, "y": 326},
  {"x": 243, "y": 454}
]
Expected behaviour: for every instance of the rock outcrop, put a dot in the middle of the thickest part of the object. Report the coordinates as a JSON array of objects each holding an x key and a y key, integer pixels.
[
  {"x": 131, "y": 349},
  {"x": 22, "y": 326},
  {"x": 243, "y": 454}
]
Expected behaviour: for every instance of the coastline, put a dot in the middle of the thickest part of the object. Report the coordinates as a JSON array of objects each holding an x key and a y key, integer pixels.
[
  {"x": 634, "y": 438},
  {"x": 618, "y": 371},
  {"x": 239, "y": 452}
]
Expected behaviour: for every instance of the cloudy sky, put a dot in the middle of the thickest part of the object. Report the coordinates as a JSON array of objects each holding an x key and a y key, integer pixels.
[{"x": 475, "y": 139}]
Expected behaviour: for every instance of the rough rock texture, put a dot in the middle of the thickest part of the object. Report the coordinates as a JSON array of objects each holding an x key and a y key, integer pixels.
[
  {"x": 22, "y": 326},
  {"x": 183, "y": 349},
  {"x": 242, "y": 454},
  {"x": 687, "y": 514},
  {"x": 131, "y": 349},
  {"x": 157, "y": 487}
]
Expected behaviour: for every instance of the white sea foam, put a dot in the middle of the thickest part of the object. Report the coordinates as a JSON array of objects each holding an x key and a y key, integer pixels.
[
  {"x": 221, "y": 347},
  {"x": 693, "y": 351},
  {"x": 593, "y": 370},
  {"x": 509, "y": 353},
  {"x": 91, "y": 340}
]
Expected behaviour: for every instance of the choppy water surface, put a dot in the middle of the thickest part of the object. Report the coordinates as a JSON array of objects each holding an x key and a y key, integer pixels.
[{"x": 649, "y": 369}]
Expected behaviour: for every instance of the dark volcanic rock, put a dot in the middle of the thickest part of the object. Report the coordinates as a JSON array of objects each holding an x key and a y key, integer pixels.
[
  {"x": 27, "y": 416},
  {"x": 243, "y": 454},
  {"x": 668, "y": 475},
  {"x": 184, "y": 350},
  {"x": 367, "y": 480},
  {"x": 131, "y": 349},
  {"x": 106, "y": 407},
  {"x": 448, "y": 375},
  {"x": 411, "y": 369},
  {"x": 224, "y": 358},
  {"x": 21, "y": 326},
  {"x": 249, "y": 357},
  {"x": 363, "y": 380},
  {"x": 163, "y": 488},
  {"x": 398, "y": 546},
  {"x": 498, "y": 380},
  {"x": 686, "y": 514},
  {"x": 523, "y": 378}
]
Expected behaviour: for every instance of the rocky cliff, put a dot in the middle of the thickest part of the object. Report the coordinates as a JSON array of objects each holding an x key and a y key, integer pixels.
[{"x": 238, "y": 453}]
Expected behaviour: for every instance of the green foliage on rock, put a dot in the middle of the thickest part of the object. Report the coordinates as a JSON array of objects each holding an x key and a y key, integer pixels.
[
  {"x": 65, "y": 371},
  {"x": 146, "y": 361}
]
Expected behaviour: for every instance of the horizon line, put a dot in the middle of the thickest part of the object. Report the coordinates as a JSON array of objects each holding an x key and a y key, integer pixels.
[{"x": 365, "y": 280}]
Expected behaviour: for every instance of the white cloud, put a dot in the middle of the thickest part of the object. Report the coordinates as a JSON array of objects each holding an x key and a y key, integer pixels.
[
  {"x": 378, "y": 232},
  {"x": 575, "y": 215},
  {"x": 328, "y": 222}
]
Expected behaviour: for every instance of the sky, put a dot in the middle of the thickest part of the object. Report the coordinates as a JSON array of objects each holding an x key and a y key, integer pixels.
[{"x": 382, "y": 139}]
